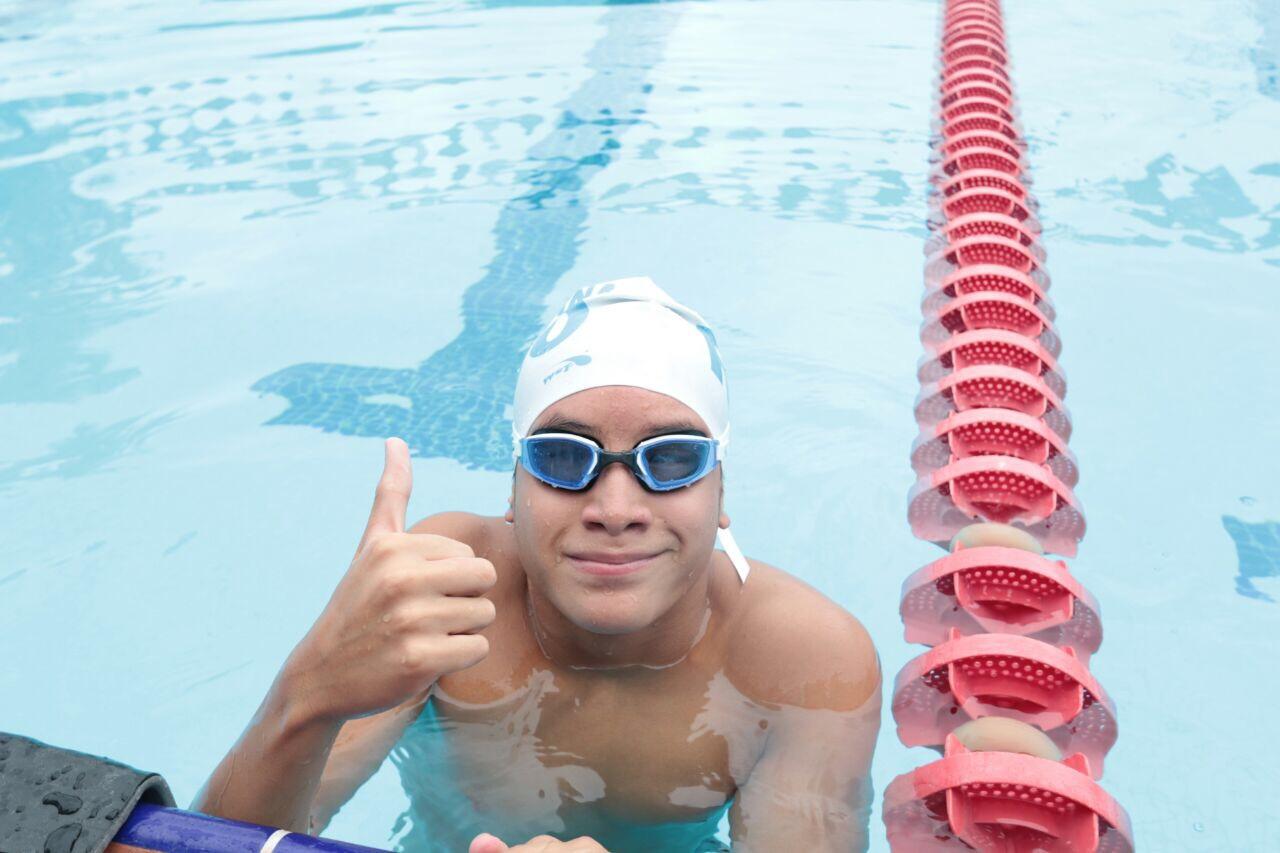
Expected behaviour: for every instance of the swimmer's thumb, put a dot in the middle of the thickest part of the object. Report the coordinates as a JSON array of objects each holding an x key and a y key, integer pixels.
[
  {"x": 391, "y": 498},
  {"x": 486, "y": 843}
]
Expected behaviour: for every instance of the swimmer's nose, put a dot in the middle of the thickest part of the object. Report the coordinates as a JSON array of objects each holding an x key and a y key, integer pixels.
[{"x": 616, "y": 503}]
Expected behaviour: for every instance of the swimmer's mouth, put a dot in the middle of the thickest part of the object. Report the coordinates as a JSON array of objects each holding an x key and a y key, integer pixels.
[{"x": 610, "y": 563}]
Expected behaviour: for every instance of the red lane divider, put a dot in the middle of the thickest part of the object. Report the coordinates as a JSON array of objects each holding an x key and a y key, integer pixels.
[
  {"x": 1000, "y": 590},
  {"x": 1005, "y": 691}
]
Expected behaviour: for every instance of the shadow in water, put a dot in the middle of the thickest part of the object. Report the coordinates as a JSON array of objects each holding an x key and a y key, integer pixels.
[
  {"x": 1258, "y": 549},
  {"x": 64, "y": 272},
  {"x": 1266, "y": 56},
  {"x": 454, "y": 403},
  {"x": 89, "y": 449}
]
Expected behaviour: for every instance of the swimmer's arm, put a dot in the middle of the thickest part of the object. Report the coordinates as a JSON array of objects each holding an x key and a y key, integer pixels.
[
  {"x": 363, "y": 744},
  {"x": 295, "y": 774},
  {"x": 357, "y": 753},
  {"x": 810, "y": 789},
  {"x": 291, "y": 771},
  {"x": 270, "y": 775}
]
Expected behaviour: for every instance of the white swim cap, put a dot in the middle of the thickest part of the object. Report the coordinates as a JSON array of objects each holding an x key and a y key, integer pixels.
[{"x": 623, "y": 332}]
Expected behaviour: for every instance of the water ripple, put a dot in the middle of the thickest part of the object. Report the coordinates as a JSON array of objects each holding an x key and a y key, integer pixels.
[{"x": 457, "y": 398}]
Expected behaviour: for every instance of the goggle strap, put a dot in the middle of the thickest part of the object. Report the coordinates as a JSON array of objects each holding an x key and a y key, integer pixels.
[{"x": 730, "y": 546}]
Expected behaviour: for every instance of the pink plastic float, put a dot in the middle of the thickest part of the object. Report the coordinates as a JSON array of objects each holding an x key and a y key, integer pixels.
[
  {"x": 978, "y": 158},
  {"x": 985, "y": 6},
  {"x": 979, "y": 138},
  {"x": 1003, "y": 802},
  {"x": 1003, "y": 489},
  {"x": 992, "y": 386},
  {"x": 975, "y": 63},
  {"x": 984, "y": 249},
  {"x": 986, "y": 179},
  {"x": 982, "y": 199},
  {"x": 982, "y": 122},
  {"x": 986, "y": 278},
  {"x": 974, "y": 26},
  {"x": 970, "y": 48},
  {"x": 1004, "y": 675},
  {"x": 977, "y": 106},
  {"x": 999, "y": 590},
  {"x": 983, "y": 16},
  {"x": 975, "y": 224},
  {"x": 991, "y": 346},
  {"x": 978, "y": 90},
  {"x": 993, "y": 432},
  {"x": 974, "y": 29},
  {"x": 966, "y": 76},
  {"x": 971, "y": 20},
  {"x": 987, "y": 309}
]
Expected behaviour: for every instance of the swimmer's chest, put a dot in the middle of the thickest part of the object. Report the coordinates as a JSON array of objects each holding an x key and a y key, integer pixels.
[{"x": 644, "y": 740}]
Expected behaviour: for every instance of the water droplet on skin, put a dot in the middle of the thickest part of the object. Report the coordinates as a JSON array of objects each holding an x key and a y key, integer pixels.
[{"x": 386, "y": 617}]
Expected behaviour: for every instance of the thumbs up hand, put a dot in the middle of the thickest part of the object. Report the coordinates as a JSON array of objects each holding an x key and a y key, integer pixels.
[{"x": 408, "y": 611}]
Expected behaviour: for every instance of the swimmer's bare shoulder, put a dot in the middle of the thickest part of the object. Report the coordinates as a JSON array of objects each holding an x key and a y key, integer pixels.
[
  {"x": 810, "y": 662},
  {"x": 363, "y": 744},
  {"x": 792, "y": 645}
]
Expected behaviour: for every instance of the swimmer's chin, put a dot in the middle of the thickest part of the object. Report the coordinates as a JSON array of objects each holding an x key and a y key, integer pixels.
[
  {"x": 611, "y": 624},
  {"x": 609, "y": 612}
]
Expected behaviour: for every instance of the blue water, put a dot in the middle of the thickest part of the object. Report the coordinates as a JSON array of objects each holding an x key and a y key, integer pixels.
[{"x": 241, "y": 241}]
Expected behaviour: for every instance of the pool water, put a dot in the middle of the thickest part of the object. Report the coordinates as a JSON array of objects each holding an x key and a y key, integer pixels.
[{"x": 243, "y": 240}]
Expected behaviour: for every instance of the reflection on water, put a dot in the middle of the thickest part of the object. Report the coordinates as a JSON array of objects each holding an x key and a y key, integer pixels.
[
  {"x": 277, "y": 110},
  {"x": 1204, "y": 208},
  {"x": 89, "y": 449},
  {"x": 1258, "y": 550},
  {"x": 457, "y": 397},
  {"x": 1196, "y": 202},
  {"x": 64, "y": 271},
  {"x": 512, "y": 768},
  {"x": 1266, "y": 55},
  {"x": 453, "y": 404}
]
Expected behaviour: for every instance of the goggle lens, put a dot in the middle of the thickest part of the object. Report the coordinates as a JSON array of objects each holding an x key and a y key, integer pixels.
[
  {"x": 674, "y": 462},
  {"x": 559, "y": 461}
]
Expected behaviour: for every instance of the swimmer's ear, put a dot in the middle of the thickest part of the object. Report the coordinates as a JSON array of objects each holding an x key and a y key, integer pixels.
[{"x": 509, "y": 516}]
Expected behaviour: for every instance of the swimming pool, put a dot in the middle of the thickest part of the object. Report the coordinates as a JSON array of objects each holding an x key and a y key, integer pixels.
[{"x": 244, "y": 240}]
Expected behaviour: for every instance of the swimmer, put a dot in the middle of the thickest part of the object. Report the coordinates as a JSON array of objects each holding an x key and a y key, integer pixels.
[{"x": 588, "y": 672}]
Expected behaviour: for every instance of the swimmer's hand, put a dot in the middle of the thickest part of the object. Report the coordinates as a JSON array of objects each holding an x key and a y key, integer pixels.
[
  {"x": 486, "y": 843},
  {"x": 408, "y": 610}
]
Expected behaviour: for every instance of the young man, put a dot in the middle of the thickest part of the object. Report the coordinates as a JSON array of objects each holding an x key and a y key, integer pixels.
[{"x": 588, "y": 667}]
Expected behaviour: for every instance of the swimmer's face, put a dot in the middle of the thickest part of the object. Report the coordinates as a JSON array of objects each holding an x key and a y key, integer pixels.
[{"x": 667, "y": 537}]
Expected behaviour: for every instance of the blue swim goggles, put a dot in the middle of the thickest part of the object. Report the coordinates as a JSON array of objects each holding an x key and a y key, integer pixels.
[{"x": 666, "y": 462}]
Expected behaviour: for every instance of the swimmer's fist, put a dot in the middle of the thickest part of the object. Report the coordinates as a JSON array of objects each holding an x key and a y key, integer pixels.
[
  {"x": 408, "y": 610},
  {"x": 486, "y": 843}
]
